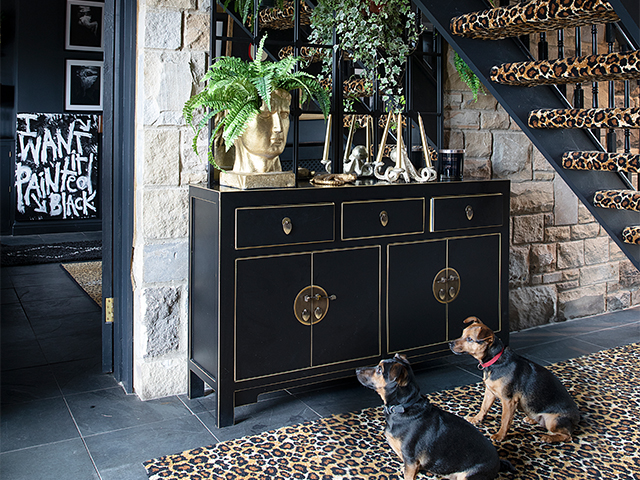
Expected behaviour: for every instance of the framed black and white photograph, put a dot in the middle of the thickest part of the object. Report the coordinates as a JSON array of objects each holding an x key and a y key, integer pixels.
[
  {"x": 84, "y": 85},
  {"x": 85, "y": 21}
]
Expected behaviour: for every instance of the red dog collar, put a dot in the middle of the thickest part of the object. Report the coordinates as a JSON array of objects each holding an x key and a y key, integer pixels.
[{"x": 492, "y": 361}]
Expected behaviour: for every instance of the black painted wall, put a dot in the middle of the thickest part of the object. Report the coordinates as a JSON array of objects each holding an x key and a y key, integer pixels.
[{"x": 33, "y": 68}]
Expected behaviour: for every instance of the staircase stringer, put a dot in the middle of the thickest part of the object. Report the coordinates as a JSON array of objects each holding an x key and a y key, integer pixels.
[{"x": 481, "y": 55}]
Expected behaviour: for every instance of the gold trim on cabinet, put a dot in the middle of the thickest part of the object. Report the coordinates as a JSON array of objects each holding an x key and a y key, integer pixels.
[
  {"x": 424, "y": 210},
  {"x": 446, "y": 319},
  {"x": 270, "y": 245},
  {"x": 311, "y": 364},
  {"x": 432, "y": 227}
]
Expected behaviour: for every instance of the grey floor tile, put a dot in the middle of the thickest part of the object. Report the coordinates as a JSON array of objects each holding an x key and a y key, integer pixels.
[
  {"x": 341, "y": 399},
  {"x": 115, "y": 452},
  {"x": 71, "y": 305},
  {"x": 36, "y": 423},
  {"x": 79, "y": 346},
  {"x": 612, "y": 337},
  {"x": 445, "y": 378},
  {"x": 27, "y": 384},
  {"x": 15, "y": 325},
  {"x": 262, "y": 416},
  {"x": 112, "y": 409},
  {"x": 9, "y": 295},
  {"x": 558, "y": 351},
  {"x": 28, "y": 293},
  {"x": 61, "y": 460},
  {"x": 57, "y": 325},
  {"x": 21, "y": 354},
  {"x": 83, "y": 376}
]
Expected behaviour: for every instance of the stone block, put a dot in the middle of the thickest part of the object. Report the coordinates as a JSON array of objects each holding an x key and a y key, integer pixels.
[
  {"x": 585, "y": 230},
  {"x": 629, "y": 275},
  {"x": 618, "y": 300},
  {"x": 571, "y": 274},
  {"x": 581, "y": 302},
  {"x": 167, "y": 86},
  {"x": 596, "y": 250},
  {"x": 163, "y": 29},
  {"x": 166, "y": 262},
  {"x": 518, "y": 265},
  {"x": 162, "y": 320},
  {"x": 177, "y": 4},
  {"x": 161, "y": 156},
  {"x": 477, "y": 169},
  {"x": 536, "y": 279},
  {"x": 454, "y": 139},
  {"x": 484, "y": 102},
  {"x": 542, "y": 258},
  {"x": 165, "y": 213},
  {"x": 531, "y": 197},
  {"x": 540, "y": 163},
  {"x": 554, "y": 277},
  {"x": 511, "y": 156},
  {"x": 453, "y": 100},
  {"x": 615, "y": 253},
  {"x": 606, "y": 272},
  {"x": 462, "y": 119},
  {"x": 565, "y": 208},
  {"x": 557, "y": 234},
  {"x": 531, "y": 306},
  {"x": 635, "y": 297},
  {"x": 570, "y": 285},
  {"x": 528, "y": 229},
  {"x": 584, "y": 215},
  {"x": 543, "y": 176},
  {"x": 197, "y": 26},
  {"x": 494, "y": 120},
  {"x": 570, "y": 254},
  {"x": 477, "y": 144},
  {"x": 158, "y": 378}
]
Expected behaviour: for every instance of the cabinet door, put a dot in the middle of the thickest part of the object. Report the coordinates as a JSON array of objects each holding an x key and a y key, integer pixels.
[
  {"x": 415, "y": 317},
  {"x": 268, "y": 337},
  {"x": 477, "y": 260},
  {"x": 351, "y": 327}
]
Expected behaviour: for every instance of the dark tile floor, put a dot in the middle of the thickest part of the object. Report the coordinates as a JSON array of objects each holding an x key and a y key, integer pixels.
[{"x": 62, "y": 418}]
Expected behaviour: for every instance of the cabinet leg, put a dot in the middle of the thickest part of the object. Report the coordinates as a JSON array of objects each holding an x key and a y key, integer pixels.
[
  {"x": 225, "y": 410},
  {"x": 196, "y": 386}
]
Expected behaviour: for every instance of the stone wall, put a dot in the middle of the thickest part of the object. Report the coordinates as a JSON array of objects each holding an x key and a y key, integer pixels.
[
  {"x": 173, "y": 45},
  {"x": 563, "y": 265}
]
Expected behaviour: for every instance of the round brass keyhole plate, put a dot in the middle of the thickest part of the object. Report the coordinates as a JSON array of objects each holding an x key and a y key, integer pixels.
[
  {"x": 446, "y": 285},
  {"x": 311, "y": 305}
]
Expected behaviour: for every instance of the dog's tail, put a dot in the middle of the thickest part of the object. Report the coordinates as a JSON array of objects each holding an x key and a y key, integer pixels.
[{"x": 505, "y": 466}]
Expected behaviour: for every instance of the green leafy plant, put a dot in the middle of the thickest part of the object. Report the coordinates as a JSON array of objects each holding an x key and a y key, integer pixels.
[
  {"x": 468, "y": 76},
  {"x": 236, "y": 89},
  {"x": 378, "y": 34}
]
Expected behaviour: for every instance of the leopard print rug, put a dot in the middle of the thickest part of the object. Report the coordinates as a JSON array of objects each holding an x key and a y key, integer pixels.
[{"x": 352, "y": 446}]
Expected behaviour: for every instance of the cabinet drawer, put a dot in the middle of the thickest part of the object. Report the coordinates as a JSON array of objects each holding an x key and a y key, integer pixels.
[
  {"x": 466, "y": 211},
  {"x": 284, "y": 225},
  {"x": 382, "y": 218}
]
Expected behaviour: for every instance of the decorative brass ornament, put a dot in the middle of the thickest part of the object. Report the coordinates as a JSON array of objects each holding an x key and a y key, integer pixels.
[
  {"x": 311, "y": 304},
  {"x": 287, "y": 226},
  {"x": 384, "y": 218},
  {"x": 446, "y": 285},
  {"x": 469, "y": 212}
]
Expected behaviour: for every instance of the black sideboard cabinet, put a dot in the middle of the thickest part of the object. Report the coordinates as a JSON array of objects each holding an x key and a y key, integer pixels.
[{"x": 289, "y": 287}]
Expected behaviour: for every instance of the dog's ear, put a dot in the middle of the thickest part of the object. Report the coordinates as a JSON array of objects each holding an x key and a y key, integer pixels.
[
  {"x": 399, "y": 374},
  {"x": 473, "y": 321},
  {"x": 485, "y": 334},
  {"x": 401, "y": 357}
]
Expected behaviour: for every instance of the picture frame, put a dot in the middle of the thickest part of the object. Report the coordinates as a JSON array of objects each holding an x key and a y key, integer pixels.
[
  {"x": 84, "y": 85},
  {"x": 85, "y": 26}
]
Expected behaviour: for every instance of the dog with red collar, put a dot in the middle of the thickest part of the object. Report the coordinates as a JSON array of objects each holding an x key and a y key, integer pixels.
[
  {"x": 424, "y": 436},
  {"x": 518, "y": 383}
]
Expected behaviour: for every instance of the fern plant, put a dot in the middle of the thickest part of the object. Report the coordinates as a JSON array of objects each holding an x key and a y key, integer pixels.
[
  {"x": 468, "y": 76},
  {"x": 237, "y": 89}
]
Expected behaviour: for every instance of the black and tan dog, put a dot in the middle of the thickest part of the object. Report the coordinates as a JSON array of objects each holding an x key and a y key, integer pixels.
[
  {"x": 424, "y": 436},
  {"x": 517, "y": 382}
]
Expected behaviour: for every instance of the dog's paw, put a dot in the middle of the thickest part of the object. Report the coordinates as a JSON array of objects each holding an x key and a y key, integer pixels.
[
  {"x": 498, "y": 437},
  {"x": 530, "y": 421},
  {"x": 473, "y": 419}
]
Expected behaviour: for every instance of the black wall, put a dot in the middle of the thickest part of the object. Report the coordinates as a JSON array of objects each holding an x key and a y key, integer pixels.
[{"x": 33, "y": 69}]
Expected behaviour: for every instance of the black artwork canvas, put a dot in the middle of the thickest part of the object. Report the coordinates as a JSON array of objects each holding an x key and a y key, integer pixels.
[{"x": 85, "y": 25}]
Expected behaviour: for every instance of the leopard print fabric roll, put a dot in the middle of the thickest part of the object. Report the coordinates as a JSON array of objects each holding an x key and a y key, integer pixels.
[
  {"x": 586, "y": 118},
  {"x": 613, "y": 162}
]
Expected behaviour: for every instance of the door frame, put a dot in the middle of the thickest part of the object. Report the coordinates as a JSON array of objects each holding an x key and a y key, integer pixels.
[{"x": 118, "y": 187}]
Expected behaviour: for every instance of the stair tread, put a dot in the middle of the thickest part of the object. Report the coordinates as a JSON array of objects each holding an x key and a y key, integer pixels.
[
  {"x": 631, "y": 235},
  {"x": 282, "y": 18},
  {"x": 614, "y": 162},
  {"x": 618, "y": 199},
  {"x": 608, "y": 66},
  {"x": 585, "y": 118},
  {"x": 531, "y": 17}
]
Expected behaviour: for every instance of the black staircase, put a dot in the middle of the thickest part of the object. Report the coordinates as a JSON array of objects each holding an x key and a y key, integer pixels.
[{"x": 489, "y": 38}]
